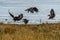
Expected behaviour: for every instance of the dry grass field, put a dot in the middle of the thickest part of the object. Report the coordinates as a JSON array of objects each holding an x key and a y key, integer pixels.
[{"x": 30, "y": 32}]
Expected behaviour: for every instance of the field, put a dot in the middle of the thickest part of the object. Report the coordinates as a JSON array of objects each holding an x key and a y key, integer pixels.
[{"x": 30, "y": 32}]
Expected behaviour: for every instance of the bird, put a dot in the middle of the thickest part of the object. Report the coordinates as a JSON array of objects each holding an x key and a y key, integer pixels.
[
  {"x": 52, "y": 14},
  {"x": 25, "y": 21},
  {"x": 16, "y": 18},
  {"x": 32, "y": 9}
]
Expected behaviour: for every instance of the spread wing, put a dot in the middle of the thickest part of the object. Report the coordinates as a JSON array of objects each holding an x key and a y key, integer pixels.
[
  {"x": 52, "y": 12},
  {"x": 11, "y": 15},
  {"x": 51, "y": 16},
  {"x": 20, "y": 16}
]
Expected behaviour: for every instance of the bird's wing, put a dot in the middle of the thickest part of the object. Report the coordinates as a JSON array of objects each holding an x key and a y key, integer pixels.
[
  {"x": 11, "y": 15},
  {"x": 20, "y": 16},
  {"x": 51, "y": 17}
]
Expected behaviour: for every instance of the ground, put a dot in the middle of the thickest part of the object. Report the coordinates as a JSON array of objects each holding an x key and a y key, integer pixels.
[{"x": 30, "y": 32}]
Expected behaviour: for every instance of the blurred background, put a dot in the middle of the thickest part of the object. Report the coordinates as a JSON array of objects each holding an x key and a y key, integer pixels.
[{"x": 17, "y": 7}]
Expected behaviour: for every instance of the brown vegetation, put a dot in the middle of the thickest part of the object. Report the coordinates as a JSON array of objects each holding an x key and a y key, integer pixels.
[{"x": 30, "y": 32}]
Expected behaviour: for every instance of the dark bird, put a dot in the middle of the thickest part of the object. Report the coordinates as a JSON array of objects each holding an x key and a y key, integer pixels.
[
  {"x": 52, "y": 14},
  {"x": 16, "y": 18},
  {"x": 25, "y": 21},
  {"x": 32, "y": 9}
]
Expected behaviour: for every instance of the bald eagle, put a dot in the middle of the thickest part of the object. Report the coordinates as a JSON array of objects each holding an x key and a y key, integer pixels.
[
  {"x": 52, "y": 14},
  {"x": 32, "y": 9},
  {"x": 16, "y": 18}
]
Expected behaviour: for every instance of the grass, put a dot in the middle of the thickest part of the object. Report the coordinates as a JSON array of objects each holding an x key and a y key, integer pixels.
[{"x": 30, "y": 32}]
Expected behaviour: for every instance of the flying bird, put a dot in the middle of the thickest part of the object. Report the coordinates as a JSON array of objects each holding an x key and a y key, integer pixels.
[
  {"x": 16, "y": 18},
  {"x": 52, "y": 14},
  {"x": 32, "y": 9},
  {"x": 25, "y": 21}
]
